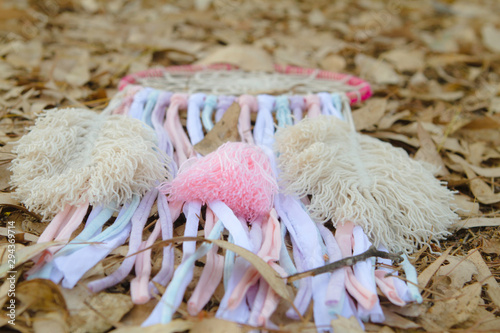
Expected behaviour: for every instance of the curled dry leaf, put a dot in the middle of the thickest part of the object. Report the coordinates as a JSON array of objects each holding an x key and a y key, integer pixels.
[
  {"x": 457, "y": 309},
  {"x": 368, "y": 116},
  {"x": 246, "y": 57}
]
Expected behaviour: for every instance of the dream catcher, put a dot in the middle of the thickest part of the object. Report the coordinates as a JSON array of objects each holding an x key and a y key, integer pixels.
[{"x": 267, "y": 158}]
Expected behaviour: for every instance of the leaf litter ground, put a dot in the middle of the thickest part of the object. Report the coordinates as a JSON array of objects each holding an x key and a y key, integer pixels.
[{"x": 435, "y": 69}]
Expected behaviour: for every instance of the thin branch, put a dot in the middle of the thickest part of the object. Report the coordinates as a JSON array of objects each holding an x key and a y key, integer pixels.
[{"x": 350, "y": 261}]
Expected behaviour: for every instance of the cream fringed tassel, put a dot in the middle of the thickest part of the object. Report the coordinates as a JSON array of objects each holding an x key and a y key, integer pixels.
[
  {"x": 72, "y": 156},
  {"x": 354, "y": 177}
]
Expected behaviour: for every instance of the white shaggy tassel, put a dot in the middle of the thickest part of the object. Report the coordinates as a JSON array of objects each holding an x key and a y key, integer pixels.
[
  {"x": 72, "y": 156},
  {"x": 354, "y": 177}
]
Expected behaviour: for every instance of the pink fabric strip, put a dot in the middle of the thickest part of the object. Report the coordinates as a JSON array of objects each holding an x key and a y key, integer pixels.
[
  {"x": 313, "y": 105},
  {"x": 387, "y": 284},
  {"x": 248, "y": 104},
  {"x": 269, "y": 252},
  {"x": 173, "y": 127},
  {"x": 68, "y": 229},
  {"x": 362, "y": 295},
  {"x": 364, "y": 272},
  {"x": 57, "y": 223},
  {"x": 139, "y": 285},
  {"x": 211, "y": 275},
  {"x": 124, "y": 107}
]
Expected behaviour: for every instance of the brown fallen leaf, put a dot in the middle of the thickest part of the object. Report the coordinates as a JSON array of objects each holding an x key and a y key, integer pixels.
[
  {"x": 406, "y": 59},
  {"x": 482, "y": 191},
  {"x": 485, "y": 276},
  {"x": 394, "y": 320},
  {"x": 377, "y": 71},
  {"x": 460, "y": 271},
  {"x": 346, "y": 325},
  {"x": 428, "y": 273},
  {"x": 485, "y": 172},
  {"x": 368, "y": 116},
  {"x": 244, "y": 56},
  {"x": 225, "y": 130},
  {"x": 216, "y": 325},
  {"x": 458, "y": 309},
  {"x": 25, "y": 254},
  {"x": 174, "y": 326},
  {"x": 94, "y": 312},
  {"x": 491, "y": 245},
  {"x": 428, "y": 152},
  {"x": 475, "y": 222},
  {"x": 465, "y": 205},
  {"x": 40, "y": 295}
]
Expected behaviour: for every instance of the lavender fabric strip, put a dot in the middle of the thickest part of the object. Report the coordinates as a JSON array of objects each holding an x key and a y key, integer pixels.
[
  {"x": 224, "y": 102},
  {"x": 194, "y": 126},
  {"x": 138, "y": 221},
  {"x": 167, "y": 265},
  {"x": 137, "y": 106}
]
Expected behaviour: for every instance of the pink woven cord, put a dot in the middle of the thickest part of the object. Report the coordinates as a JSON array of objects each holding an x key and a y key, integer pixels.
[
  {"x": 313, "y": 105},
  {"x": 211, "y": 275},
  {"x": 363, "y": 89},
  {"x": 237, "y": 174},
  {"x": 248, "y": 104}
]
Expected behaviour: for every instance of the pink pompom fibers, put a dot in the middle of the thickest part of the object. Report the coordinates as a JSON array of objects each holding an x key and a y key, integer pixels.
[{"x": 238, "y": 174}]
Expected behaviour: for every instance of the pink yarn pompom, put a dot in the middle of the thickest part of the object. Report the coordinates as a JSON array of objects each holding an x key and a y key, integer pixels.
[{"x": 238, "y": 174}]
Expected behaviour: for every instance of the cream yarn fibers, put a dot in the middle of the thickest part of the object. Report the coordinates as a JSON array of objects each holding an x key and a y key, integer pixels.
[
  {"x": 72, "y": 156},
  {"x": 354, "y": 177}
]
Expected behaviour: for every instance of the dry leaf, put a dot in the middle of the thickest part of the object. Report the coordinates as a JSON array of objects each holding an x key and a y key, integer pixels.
[
  {"x": 72, "y": 66},
  {"x": 26, "y": 55},
  {"x": 333, "y": 63},
  {"x": 244, "y": 56},
  {"x": 377, "y": 71},
  {"x": 466, "y": 206},
  {"x": 394, "y": 320},
  {"x": 428, "y": 273},
  {"x": 53, "y": 322},
  {"x": 41, "y": 295},
  {"x": 174, "y": 326},
  {"x": 406, "y": 60},
  {"x": 485, "y": 276},
  {"x": 368, "y": 116},
  {"x": 491, "y": 245},
  {"x": 346, "y": 325},
  {"x": 94, "y": 312},
  {"x": 428, "y": 152},
  {"x": 458, "y": 309},
  {"x": 215, "y": 325},
  {"x": 491, "y": 36},
  {"x": 485, "y": 172},
  {"x": 225, "y": 130},
  {"x": 475, "y": 222},
  {"x": 25, "y": 254},
  {"x": 460, "y": 270},
  {"x": 480, "y": 189}
]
